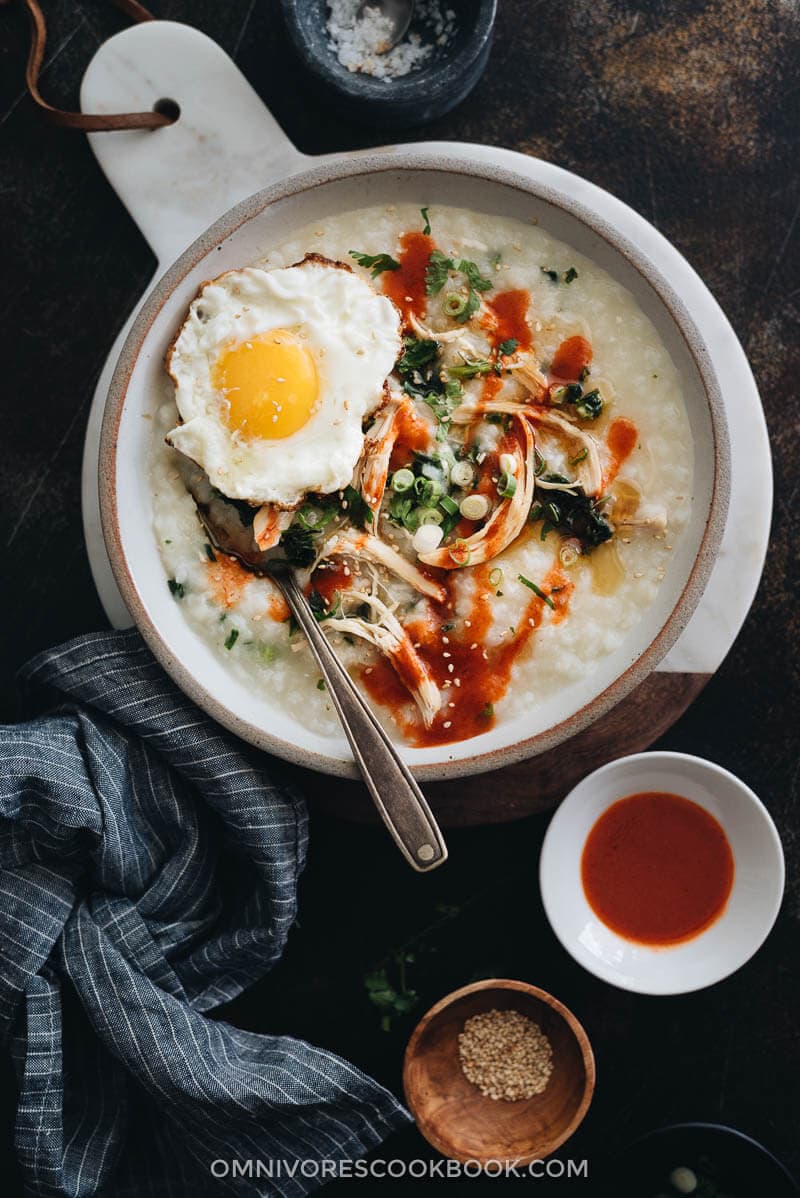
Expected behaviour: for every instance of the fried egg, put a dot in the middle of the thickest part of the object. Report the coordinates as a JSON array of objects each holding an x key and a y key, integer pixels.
[{"x": 275, "y": 372}]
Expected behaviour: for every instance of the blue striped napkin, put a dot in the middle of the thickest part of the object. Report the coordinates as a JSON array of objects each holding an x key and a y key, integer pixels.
[{"x": 149, "y": 874}]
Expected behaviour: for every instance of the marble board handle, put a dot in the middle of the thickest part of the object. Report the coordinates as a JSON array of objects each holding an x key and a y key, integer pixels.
[{"x": 176, "y": 181}]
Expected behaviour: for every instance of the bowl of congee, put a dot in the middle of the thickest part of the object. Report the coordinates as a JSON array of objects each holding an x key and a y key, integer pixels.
[{"x": 475, "y": 419}]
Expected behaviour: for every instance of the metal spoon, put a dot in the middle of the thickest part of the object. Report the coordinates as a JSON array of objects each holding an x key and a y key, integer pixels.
[
  {"x": 399, "y": 800},
  {"x": 399, "y": 13}
]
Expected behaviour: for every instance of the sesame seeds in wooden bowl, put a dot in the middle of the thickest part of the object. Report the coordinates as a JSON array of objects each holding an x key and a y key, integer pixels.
[{"x": 498, "y": 1071}]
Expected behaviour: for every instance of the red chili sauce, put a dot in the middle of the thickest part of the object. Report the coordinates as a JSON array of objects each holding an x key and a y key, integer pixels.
[
  {"x": 507, "y": 318},
  {"x": 621, "y": 440},
  {"x": 657, "y": 868},
  {"x": 571, "y": 358},
  {"x": 406, "y": 286}
]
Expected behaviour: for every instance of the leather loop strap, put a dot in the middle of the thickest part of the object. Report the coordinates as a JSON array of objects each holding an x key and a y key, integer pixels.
[{"x": 86, "y": 122}]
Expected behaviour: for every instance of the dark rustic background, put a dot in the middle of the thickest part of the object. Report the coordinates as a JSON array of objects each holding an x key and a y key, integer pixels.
[{"x": 687, "y": 109}]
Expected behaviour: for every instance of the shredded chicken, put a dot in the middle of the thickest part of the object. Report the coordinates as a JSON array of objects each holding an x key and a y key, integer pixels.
[
  {"x": 527, "y": 372},
  {"x": 269, "y": 523},
  {"x": 648, "y": 515},
  {"x": 505, "y": 523},
  {"x": 426, "y": 334},
  {"x": 387, "y": 634},
  {"x": 357, "y": 544},
  {"x": 372, "y": 470},
  {"x": 544, "y": 485},
  {"x": 589, "y": 471}
]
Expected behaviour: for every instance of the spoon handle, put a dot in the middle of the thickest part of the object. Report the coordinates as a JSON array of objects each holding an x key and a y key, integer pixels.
[{"x": 399, "y": 800}]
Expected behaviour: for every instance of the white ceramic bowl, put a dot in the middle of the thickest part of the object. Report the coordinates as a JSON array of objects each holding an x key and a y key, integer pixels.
[
  {"x": 729, "y": 942},
  {"x": 244, "y": 235}
]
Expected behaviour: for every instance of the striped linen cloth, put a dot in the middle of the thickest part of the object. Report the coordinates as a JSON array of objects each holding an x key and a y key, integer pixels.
[{"x": 149, "y": 874}]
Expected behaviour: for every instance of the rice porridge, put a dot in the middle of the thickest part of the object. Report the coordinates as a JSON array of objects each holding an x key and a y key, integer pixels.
[{"x": 476, "y": 451}]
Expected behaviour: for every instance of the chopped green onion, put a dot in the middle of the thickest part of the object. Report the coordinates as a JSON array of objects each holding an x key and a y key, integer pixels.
[
  {"x": 538, "y": 592},
  {"x": 462, "y": 474},
  {"x": 508, "y": 463},
  {"x": 487, "y": 711},
  {"x": 474, "y": 507},
  {"x": 507, "y": 486},
  {"x": 428, "y": 490},
  {"x": 570, "y": 274},
  {"x": 579, "y": 457},
  {"x": 320, "y": 684},
  {"x": 558, "y": 395},
  {"x": 449, "y": 505},
  {"x": 430, "y": 515},
  {"x": 495, "y": 576},
  {"x": 177, "y": 589},
  {"x": 454, "y": 304},
  {"x": 540, "y": 464},
  {"x": 427, "y": 219},
  {"x": 460, "y": 552},
  {"x": 471, "y": 369},
  {"x": 210, "y": 554},
  {"x": 231, "y": 638},
  {"x": 590, "y": 405},
  {"x": 552, "y": 275},
  {"x": 568, "y": 554}
]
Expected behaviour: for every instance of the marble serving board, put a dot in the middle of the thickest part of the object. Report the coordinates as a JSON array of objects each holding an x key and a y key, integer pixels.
[{"x": 177, "y": 181}]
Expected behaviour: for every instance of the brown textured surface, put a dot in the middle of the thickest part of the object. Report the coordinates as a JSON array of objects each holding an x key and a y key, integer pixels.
[{"x": 687, "y": 109}]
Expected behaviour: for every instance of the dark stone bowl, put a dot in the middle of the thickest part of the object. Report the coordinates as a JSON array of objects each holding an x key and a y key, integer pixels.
[{"x": 420, "y": 96}]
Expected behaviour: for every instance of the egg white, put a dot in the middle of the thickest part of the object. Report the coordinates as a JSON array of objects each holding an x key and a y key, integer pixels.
[{"x": 353, "y": 336}]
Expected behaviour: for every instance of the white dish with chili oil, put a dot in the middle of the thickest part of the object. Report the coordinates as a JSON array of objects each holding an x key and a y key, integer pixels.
[{"x": 733, "y": 936}]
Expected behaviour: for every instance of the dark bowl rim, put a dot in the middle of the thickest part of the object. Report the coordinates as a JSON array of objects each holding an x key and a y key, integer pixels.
[{"x": 692, "y": 1125}]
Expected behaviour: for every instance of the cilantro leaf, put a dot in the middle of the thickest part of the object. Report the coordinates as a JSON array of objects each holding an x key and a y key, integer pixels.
[
  {"x": 436, "y": 272},
  {"x": 417, "y": 354},
  {"x": 357, "y": 507},
  {"x": 378, "y": 262},
  {"x": 473, "y": 275},
  {"x": 507, "y": 347},
  {"x": 297, "y": 543}
]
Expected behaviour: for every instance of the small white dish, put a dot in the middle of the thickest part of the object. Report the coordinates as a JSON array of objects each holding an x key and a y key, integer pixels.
[{"x": 723, "y": 947}]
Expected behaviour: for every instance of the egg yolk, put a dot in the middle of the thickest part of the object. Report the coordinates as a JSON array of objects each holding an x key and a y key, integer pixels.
[{"x": 270, "y": 383}]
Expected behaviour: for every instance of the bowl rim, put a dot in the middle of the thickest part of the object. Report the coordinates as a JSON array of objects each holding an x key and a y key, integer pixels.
[
  {"x": 677, "y": 760},
  {"x": 505, "y": 984},
  {"x": 387, "y": 162}
]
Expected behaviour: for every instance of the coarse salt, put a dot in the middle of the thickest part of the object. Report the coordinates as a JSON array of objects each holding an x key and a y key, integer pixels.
[{"x": 359, "y": 42}]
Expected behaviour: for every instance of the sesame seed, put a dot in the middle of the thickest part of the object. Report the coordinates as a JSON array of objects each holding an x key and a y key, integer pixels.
[{"x": 506, "y": 1055}]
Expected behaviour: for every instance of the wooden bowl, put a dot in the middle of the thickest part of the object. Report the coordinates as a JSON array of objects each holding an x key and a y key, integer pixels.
[{"x": 453, "y": 1115}]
